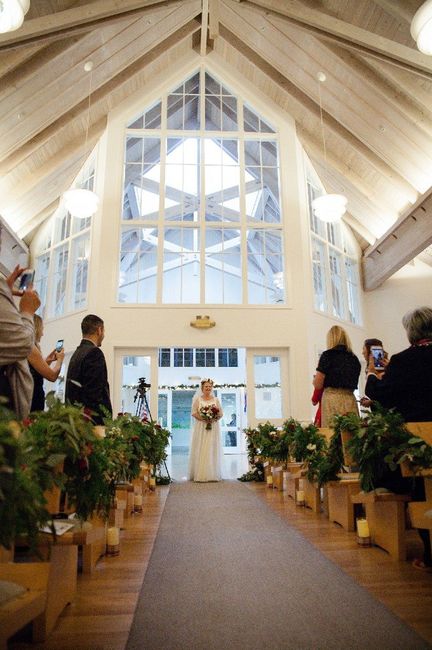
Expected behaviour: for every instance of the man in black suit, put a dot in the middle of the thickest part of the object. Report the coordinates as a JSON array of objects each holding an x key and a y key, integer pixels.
[{"x": 87, "y": 376}]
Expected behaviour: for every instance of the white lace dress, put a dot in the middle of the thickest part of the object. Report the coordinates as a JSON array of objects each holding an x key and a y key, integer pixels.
[{"x": 205, "y": 458}]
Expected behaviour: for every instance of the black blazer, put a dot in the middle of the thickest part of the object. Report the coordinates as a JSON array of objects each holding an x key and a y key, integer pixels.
[
  {"x": 87, "y": 380},
  {"x": 406, "y": 385}
]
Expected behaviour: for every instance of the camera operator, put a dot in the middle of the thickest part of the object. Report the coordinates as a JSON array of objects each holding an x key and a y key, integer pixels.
[{"x": 87, "y": 376}]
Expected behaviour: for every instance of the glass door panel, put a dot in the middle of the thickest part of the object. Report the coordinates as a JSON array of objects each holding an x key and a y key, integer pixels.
[
  {"x": 267, "y": 371},
  {"x": 230, "y": 423}
]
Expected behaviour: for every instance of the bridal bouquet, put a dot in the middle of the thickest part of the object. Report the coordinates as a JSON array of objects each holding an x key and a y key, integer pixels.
[{"x": 209, "y": 413}]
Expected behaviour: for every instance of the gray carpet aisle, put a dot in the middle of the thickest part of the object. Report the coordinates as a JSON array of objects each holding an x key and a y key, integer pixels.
[{"x": 228, "y": 573}]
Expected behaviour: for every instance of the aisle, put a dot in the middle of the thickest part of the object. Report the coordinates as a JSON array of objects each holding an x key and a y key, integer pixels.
[{"x": 226, "y": 572}]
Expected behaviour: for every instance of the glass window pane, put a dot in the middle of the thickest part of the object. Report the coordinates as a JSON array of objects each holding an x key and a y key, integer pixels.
[
  {"x": 265, "y": 267},
  {"x": 164, "y": 357},
  {"x": 41, "y": 280},
  {"x": 138, "y": 265},
  {"x": 268, "y": 396},
  {"x": 132, "y": 400},
  {"x": 336, "y": 283},
  {"x": 352, "y": 279},
  {"x": 319, "y": 275},
  {"x": 80, "y": 262},
  {"x": 58, "y": 291}
]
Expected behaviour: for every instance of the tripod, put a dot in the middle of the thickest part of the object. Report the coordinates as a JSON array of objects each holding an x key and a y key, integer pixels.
[{"x": 143, "y": 407}]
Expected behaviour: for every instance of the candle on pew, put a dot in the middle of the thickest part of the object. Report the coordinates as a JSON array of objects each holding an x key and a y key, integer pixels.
[
  {"x": 270, "y": 480},
  {"x": 152, "y": 483},
  {"x": 113, "y": 536},
  {"x": 363, "y": 528},
  {"x": 300, "y": 497}
]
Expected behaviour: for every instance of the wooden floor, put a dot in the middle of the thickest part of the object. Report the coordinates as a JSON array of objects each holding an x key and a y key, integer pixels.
[{"x": 102, "y": 613}]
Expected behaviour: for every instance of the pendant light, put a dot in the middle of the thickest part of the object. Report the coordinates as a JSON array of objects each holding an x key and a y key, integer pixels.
[
  {"x": 79, "y": 202},
  {"x": 421, "y": 27},
  {"x": 328, "y": 207},
  {"x": 12, "y": 14}
]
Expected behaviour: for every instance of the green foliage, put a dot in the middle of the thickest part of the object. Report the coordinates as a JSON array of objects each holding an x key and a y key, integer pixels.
[
  {"x": 24, "y": 475},
  {"x": 257, "y": 471},
  {"x": 330, "y": 464},
  {"x": 374, "y": 438}
]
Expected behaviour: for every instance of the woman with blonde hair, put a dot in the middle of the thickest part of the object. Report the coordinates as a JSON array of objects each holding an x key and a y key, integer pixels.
[
  {"x": 40, "y": 368},
  {"x": 337, "y": 373}
]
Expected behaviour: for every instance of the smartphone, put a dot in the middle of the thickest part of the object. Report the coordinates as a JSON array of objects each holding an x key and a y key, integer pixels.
[
  {"x": 26, "y": 280},
  {"x": 59, "y": 345},
  {"x": 378, "y": 355}
]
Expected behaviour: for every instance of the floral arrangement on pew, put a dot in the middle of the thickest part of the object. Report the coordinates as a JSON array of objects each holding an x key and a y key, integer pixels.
[
  {"x": 328, "y": 465},
  {"x": 253, "y": 451},
  {"x": 157, "y": 442},
  {"x": 379, "y": 441},
  {"x": 25, "y": 475},
  {"x": 67, "y": 432}
]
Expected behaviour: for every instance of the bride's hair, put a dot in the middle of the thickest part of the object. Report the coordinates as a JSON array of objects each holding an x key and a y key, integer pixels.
[{"x": 206, "y": 381}]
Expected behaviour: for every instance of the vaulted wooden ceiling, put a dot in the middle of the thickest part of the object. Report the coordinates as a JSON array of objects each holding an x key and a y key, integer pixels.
[{"x": 377, "y": 99}]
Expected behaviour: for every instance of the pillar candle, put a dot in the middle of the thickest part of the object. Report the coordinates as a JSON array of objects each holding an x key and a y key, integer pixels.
[
  {"x": 113, "y": 536},
  {"x": 269, "y": 479},
  {"x": 152, "y": 482},
  {"x": 138, "y": 500},
  {"x": 362, "y": 528},
  {"x": 300, "y": 496}
]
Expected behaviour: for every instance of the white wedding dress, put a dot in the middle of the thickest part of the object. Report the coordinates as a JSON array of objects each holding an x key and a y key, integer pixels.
[{"x": 205, "y": 458}]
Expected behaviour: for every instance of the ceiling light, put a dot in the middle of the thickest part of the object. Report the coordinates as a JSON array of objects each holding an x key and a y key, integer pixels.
[
  {"x": 421, "y": 27},
  {"x": 12, "y": 14},
  {"x": 328, "y": 207},
  {"x": 79, "y": 202}
]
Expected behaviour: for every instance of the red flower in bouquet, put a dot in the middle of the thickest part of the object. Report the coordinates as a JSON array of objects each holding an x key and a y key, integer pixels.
[{"x": 209, "y": 414}]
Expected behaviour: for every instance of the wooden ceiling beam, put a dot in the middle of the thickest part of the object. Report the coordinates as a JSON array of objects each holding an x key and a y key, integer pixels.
[
  {"x": 408, "y": 237},
  {"x": 30, "y": 113},
  {"x": 345, "y": 34},
  {"x": 399, "y": 9},
  {"x": 79, "y": 19},
  {"x": 37, "y": 220},
  {"x": 250, "y": 44}
]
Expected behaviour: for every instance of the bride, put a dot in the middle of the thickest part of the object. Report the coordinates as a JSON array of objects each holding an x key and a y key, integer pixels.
[{"x": 205, "y": 458}]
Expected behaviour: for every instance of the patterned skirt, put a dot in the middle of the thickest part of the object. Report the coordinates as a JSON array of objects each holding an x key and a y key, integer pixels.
[{"x": 336, "y": 401}]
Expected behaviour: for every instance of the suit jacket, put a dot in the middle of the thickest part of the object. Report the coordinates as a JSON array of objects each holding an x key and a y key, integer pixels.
[
  {"x": 406, "y": 385},
  {"x": 87, "y": 380}
]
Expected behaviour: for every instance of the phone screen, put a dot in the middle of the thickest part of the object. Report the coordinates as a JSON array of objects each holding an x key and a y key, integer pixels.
[
  {"x": 26, "y": 280},
  {"x": 378, "y": 356},
  {"x": 59, "y": 345}
]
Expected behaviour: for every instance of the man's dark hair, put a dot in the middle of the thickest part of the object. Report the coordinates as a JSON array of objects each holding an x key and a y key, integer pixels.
[{"x": 90, "y": 324}]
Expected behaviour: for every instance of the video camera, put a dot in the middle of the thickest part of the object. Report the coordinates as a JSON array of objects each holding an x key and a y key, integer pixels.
[{"x": 142, "y": 388}]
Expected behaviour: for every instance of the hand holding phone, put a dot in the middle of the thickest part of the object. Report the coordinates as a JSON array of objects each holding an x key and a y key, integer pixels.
[
  {"x": 26, "y": 280},
  {"x": 378, "y": 354},
  {"x": 59, "y": 345}
]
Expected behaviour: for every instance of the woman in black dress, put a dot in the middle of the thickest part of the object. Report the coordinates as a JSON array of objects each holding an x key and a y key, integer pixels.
[
  {"x": 338, "y": 373},
  {"x": 41, "y": 368}
]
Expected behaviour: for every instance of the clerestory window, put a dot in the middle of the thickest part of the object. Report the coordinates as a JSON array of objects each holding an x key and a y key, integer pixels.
[{"x": 201, "y": 218}]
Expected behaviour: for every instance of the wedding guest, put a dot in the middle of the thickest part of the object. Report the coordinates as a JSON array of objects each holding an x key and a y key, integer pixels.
[
  {"x": 40, "y": 368},
  {"x": 16, "y": 342},
  {"x": 406, "y": 385},
  {"x": 87, "y": 375},
  {"x": 337, "y": 373}
]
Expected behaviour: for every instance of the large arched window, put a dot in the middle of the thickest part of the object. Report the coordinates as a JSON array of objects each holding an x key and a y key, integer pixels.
[{"x": 201, "y": 216}]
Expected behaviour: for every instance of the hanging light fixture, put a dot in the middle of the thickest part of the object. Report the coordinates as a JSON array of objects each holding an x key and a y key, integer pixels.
[
  {"x": 421, "y": 27},
  {"x": 79, "y": 202},
  {"x": 328, "y": 207},
  {"x": 12, "y": 14}
]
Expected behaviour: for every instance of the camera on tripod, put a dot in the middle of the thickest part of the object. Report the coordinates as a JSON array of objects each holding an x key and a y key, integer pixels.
[{"x": 142, "y": 388}]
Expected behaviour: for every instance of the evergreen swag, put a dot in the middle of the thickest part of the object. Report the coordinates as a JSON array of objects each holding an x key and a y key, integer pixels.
[
  {"x": 380, "y": 441},
  {"x": 59, "y": 447}
]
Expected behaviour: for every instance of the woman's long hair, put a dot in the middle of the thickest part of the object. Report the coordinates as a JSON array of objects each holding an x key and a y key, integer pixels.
[
  {"x": 38, "y": 325},
  {"x": 337, "y": 336}
]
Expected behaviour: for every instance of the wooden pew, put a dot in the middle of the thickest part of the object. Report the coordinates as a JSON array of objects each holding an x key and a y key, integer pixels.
[
  {"x": 385, "y": 514},
  {"x": 27, "y": 607},
  {"x": 420, "y": 512},
  {"x": 340, "y": 505}
]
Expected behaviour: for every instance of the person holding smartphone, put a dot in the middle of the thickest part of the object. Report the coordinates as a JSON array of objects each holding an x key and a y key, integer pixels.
[
  {"x": 41, "y": 368},
  {"x": 375, "y": 348},
  {"x": 406, "y": 385},
  {"x": 16, "y": 341}
]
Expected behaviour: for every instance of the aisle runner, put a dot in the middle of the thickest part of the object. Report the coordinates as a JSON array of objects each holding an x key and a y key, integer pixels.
[{"x": 227, "y": 573}]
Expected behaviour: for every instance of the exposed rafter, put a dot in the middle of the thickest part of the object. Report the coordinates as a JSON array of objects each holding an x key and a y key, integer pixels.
[{"x": 409, "y": 236}]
